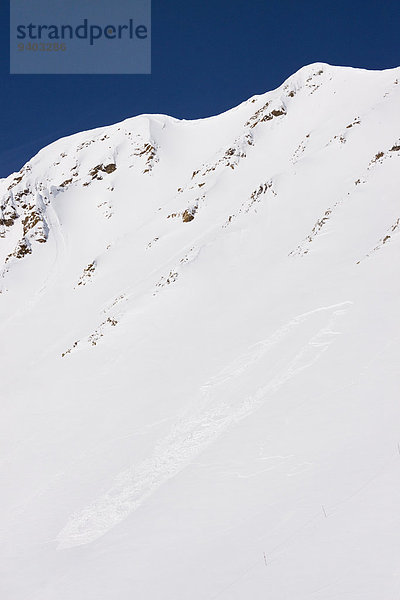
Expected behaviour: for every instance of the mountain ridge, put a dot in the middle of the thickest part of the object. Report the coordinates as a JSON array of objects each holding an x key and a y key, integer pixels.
[{"x": 199, "y": 343}]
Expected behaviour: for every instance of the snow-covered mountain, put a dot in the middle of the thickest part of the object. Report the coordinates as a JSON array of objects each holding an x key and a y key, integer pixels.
[{"x": 200, "y": 353}]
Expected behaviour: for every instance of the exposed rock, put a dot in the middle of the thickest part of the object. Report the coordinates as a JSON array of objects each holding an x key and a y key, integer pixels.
[{"x": 187, "y": 216}]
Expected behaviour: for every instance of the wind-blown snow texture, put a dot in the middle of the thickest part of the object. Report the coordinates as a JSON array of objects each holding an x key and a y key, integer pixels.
[{"x": 200, "y": 353}]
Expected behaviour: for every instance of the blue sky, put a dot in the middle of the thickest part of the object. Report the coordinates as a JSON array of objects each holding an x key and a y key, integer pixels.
[{"x": 207, "y": 56}]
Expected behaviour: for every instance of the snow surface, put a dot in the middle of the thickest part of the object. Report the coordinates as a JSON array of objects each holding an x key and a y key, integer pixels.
[{"x": 200, "y": 353}]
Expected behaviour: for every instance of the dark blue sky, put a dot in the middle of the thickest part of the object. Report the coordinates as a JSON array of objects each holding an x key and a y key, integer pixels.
[{"x": 207, "y": 56}]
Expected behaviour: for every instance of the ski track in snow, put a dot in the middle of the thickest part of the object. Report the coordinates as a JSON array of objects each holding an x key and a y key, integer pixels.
[{"x": 201, "y": 424}]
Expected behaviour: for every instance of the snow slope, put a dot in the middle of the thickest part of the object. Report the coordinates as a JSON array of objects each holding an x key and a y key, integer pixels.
[{"x": 200, "y": 353}]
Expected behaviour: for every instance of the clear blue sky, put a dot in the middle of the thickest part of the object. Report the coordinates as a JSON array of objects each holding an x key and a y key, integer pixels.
[{"x": 207, "y": 56}]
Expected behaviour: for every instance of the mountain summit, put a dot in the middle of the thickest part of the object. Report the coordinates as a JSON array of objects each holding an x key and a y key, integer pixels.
[{"x": 199, "y": 349}]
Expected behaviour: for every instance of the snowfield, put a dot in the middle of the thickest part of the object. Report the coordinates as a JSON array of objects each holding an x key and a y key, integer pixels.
[{"x": 200, "y": 353}]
